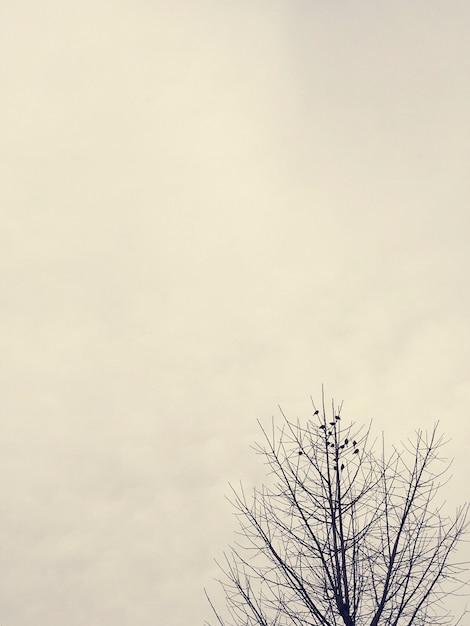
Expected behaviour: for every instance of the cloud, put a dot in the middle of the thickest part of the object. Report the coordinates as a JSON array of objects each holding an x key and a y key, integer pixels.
[{"x": 209, "y": 212}]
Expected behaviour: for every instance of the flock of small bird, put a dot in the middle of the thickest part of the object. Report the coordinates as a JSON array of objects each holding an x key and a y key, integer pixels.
[{"x": 332, "y": 445}]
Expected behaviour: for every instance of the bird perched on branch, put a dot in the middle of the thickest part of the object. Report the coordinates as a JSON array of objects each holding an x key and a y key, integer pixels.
[
  {"x": 337, "y": 417},
  {"x": 354, "y": 442},
  {"x": 316, "y": 412},
  {"x": 356, "y": 451}
]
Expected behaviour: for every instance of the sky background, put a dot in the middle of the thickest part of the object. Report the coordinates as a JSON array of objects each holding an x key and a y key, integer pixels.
[{"x": 209, "y": 209}]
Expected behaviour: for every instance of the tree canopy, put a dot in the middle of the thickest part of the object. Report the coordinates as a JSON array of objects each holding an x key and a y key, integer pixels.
[{"x": 346, "y": 531}]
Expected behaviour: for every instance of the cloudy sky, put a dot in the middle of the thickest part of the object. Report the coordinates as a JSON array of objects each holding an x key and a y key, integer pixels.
[{"x": 210, "y": 208}]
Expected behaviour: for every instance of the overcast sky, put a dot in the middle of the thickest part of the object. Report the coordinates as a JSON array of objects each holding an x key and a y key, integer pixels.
[{"x": 209, "y": 208}]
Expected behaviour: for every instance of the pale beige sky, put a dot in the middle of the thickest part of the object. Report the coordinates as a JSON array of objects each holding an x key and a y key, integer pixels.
[{"x": 209, "y": 209}]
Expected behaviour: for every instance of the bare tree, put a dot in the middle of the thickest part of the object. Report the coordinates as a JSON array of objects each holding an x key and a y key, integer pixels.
[{"x": 346, "y": 533}]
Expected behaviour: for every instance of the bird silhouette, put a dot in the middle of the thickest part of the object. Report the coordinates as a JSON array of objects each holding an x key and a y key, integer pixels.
[
  {"x": 356, "y": 451},
  {"x": 346, "y": 442},
  {"x": 323, "y": 427},
  {"x": 342, "y": 466},
  {"x": 337, "y": 417},
  {"x": 332, "y": 423},
  {"x": 316, "y": 412},
  {"x": 300, "y": 452},
  {"x": 354, "y": 442}
]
